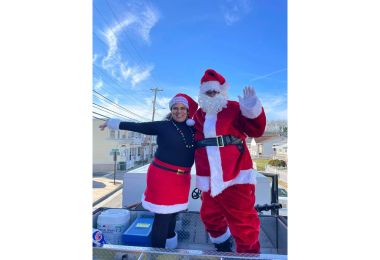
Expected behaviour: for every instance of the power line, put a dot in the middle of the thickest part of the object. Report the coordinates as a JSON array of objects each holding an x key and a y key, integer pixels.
[
  {"x": 112, "y": 115},
  {"x": 99, "y": 118},
  {"x": 115, "y": 104},
  {"x": 107, "y": 101},
  {"x": 120, "y": 107},
  {"x": 100, "y": 115},
  {"x": 117, "y": 83},
  {"x": 122, "y": 91},
  {"x": 102, "y": 74},
  {"x": 126, "y": 94},
  {"x": 114, "y": 112}
]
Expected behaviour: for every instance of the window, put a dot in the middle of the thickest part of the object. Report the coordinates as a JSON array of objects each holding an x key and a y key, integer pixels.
[
  {"x": 112, "y": 134},
  {"x": 260, "y": 148}
]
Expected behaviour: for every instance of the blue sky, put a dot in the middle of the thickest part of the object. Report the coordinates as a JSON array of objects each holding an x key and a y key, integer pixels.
[{"x": 139, "y": 45}]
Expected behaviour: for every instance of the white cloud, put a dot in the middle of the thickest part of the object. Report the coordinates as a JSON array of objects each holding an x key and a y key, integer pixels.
[
  {"x": 98, "y": 84},
  {"x": 94, "y": 58},
  {"x": 149, "y": 17},
  {"x": 135, "y": 74},
  {"x": 113, "y": 56},
  {"x": 267, "y": 75},
  {"x": 142, "y": 21},
  {"x": 234, "y": 10},
  {"x": 163, "y": 102},
  {"x": 162, "y": 106},
  {"x": 231, "y": 18},
  {"x": 275, "y": 106}
]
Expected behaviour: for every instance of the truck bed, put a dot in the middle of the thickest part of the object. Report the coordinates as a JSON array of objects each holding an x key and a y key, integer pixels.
[{"x": 194, "y": 243}]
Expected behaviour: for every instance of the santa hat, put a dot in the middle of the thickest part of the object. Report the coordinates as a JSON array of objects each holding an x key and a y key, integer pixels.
[
  {"x": 212, "y": 80},
  {"x": 188, "y": 102}
]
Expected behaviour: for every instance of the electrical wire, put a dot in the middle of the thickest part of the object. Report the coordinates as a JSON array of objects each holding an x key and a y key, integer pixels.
[
  {"x": 100, "y": 115},
  {"x": 117, "y": 105},
  {"x": 113, "y": 112}
]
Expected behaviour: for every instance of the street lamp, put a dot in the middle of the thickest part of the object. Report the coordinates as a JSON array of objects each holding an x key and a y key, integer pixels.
[{"x": 114, "y": 153}]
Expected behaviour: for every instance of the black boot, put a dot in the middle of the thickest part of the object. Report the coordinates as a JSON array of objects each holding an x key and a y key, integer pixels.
[{"x": 225, "y": 246}]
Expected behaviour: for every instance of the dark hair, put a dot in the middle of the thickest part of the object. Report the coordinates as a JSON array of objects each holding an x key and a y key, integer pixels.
[{"x": 169, "y": 115}]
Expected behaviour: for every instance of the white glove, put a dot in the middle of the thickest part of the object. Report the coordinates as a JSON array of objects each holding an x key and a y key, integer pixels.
[
  {"x": 250, "y": 105},
  {"x": 249, "y": 99},
  {"x": 111, "y": 123}
]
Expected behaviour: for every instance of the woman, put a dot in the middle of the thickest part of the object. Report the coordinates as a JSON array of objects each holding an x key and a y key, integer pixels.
[{"x": 168, "y": 178}]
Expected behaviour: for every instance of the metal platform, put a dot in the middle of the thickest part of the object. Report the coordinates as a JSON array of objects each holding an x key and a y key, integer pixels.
[{"x": 194, "y": 243}]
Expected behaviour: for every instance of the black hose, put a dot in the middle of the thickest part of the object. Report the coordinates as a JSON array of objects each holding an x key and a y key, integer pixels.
[{"x": 267, "y": 207}]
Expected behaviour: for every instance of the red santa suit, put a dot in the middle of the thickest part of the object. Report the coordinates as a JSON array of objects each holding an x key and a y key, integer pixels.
[{"x": 225, "y": 174}]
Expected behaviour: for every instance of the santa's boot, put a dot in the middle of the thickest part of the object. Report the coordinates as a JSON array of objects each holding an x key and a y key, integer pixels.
[
  {"x": 225, "y": 246},
  {"x": 171, "y": 243}
]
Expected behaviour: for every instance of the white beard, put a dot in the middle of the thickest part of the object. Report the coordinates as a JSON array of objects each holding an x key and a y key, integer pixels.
[{"x": 212, "y": 105}]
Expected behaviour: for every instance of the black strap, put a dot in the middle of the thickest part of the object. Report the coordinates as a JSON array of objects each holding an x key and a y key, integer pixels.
[
  {"x": 222, "y": 140},
  {"x": 179, "y": 171}
]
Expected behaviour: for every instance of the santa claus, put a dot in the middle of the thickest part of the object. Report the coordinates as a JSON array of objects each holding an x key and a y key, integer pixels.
[{"x": 224, "y": 167}]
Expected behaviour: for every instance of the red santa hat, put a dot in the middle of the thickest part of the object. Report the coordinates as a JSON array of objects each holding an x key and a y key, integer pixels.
[
  {"x": 212, "y": 80},
  {"x": 188, "y": 102}
]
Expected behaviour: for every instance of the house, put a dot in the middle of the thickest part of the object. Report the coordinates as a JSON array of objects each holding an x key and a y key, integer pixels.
[
  {"x": 280, "y": 151},
  {"x": 130, "y": 147},
  {"x": 262, "y": 147}
]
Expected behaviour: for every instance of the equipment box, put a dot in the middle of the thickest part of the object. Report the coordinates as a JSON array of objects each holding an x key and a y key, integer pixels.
[{"x": 139, "y": 232}]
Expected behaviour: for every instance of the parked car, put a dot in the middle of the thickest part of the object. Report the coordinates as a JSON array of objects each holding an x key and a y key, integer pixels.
[{"x": 283, "y": 197}]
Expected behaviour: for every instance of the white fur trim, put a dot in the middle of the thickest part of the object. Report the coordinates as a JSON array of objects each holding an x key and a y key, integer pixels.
[
  {"x": 216, "y": 170},
  {"x": 252, "y": 112},
  {"x": 190, "y": 122},
  {"x": 179, "y": 99},
  {"x": 211, "y": 85},
  {"x": 244, "y": 177},
  {"x": 163, "y": 209},
  {"x": 209, "y": 129},
  {"x": 171, "y": 243},
  {"x": 113, "y": 123},
  {"x": 213, "y": 154},
  {"x": 202, "y": 183},
  {"x": 222, "y": 238}
]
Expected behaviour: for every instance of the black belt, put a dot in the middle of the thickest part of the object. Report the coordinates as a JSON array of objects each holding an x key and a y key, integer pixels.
[
  {"x": 178, "y": 171},
  {"x": 221, "y": 141}
]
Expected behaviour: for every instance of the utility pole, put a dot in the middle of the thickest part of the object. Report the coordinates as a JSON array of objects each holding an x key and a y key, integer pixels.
[
  {"x": 154, "y": 100},
  {"x": 154, "y": 110}
]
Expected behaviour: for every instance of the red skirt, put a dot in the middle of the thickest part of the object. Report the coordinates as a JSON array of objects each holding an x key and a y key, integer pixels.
[{"x": 167, "y": 189}]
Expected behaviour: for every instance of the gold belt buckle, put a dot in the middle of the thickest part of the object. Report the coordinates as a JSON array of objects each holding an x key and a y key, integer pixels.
[
  {"x": 179, "y": 171},
  {"x": 221, "y": 142}
]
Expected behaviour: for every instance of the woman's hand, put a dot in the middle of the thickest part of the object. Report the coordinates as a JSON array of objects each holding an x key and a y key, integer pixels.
[{"x": 102, "y": 126}]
